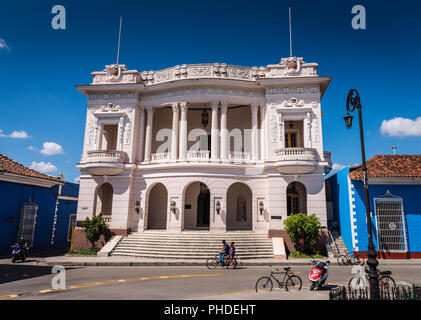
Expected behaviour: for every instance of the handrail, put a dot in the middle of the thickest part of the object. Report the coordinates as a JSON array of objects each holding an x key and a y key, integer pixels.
[{"x": 333, "y": 240}]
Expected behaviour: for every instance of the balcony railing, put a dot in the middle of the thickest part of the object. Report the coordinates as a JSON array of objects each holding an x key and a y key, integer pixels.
[
  {"x": 160, "y": 157},
  {"x": 297, "y": 154},
  {"x": 106, "y": 156},
  {"x": 239, "y": 156},
  {"x": 198, "y": 155},
  {"x": 296, "y": 160}
]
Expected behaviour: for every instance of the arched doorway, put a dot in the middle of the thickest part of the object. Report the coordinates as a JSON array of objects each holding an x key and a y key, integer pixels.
[
  {"x": 296, "y": 198},
  {"x": 157, "y": 207},
  {"x": 104, "y": 200},
  {"x": 196, "y": 206},
  {"x": 239, "y": 207}
]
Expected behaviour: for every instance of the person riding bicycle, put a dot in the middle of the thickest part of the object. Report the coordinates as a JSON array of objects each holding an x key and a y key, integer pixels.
[
  {"x": 224, "y": 251},
  {"x": 231, "y": 253}
]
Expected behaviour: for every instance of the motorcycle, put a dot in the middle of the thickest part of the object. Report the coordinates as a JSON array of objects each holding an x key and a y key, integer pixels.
[
  {"x": 318, "y": 274},
  {"x": 18, "y": 253}
]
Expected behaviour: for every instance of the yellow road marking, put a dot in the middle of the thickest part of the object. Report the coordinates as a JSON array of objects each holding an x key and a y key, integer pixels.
[
  {"x": 8, "y": 296},
  {"x": 93, "y": 284}
]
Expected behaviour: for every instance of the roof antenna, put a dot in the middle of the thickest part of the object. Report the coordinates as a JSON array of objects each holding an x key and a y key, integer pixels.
[
  {"x": 290, "y": 34},
  {"x": 119, "y": 35}
]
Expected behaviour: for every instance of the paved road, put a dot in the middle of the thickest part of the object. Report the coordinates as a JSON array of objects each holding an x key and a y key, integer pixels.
[{"x": 32, "y": 280}]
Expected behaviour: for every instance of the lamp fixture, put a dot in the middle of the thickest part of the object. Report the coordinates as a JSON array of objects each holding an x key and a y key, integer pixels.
[
  {"x": 218, "y": 207},
  {"x": 205, "y": 118}
]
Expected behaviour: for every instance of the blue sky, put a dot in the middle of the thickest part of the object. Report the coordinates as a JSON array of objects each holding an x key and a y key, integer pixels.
[{"x": 43, "y": 116}]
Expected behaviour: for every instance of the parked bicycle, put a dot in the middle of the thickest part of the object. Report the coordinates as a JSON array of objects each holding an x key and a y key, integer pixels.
[
  {"x": 214, "y": 262},
  {"x": 349, "y": 259},
  {"x": 384, "y": 279},
  {"x": 291, "y": 281}
]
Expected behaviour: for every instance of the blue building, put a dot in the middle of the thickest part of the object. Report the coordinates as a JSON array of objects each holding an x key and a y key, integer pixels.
[
  {"x": 395, "y": 205},
  {"x": 38, "y": 207}
]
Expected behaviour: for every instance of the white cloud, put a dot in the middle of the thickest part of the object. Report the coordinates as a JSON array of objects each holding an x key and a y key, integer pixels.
[
  {"x": 3, "y": 45},
  {"x": 401, "y": 127},
  {"x": 51, "y": 148},
  {"x": 43, "y": 167},
  {"x": 15, "y": 134},
  {"x": 337, "y": 167}
]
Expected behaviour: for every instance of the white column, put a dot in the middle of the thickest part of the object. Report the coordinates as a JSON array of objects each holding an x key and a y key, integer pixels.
[
  {"x": 254, "y": 108},
  {"x": 148, "y": 139},
  {"x": 224, "y": 131},
  {"x": 262, "y": 132},
  {"x": 214, "y": 130},
  {"x": 174, "y": 132},
  {"x": 183, "y": 131},
  {"x": 141, "y": 133}
]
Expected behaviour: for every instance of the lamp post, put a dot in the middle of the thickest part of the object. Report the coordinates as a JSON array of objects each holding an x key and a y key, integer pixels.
[{"x": 352, "y": 102}]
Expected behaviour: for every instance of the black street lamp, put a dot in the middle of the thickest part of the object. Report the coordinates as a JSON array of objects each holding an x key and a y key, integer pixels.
[{"x": 352, "y": 102}]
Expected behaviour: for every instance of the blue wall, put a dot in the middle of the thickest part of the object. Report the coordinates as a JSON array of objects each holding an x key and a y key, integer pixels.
[
  {"x": 13, "y": 195},
  {"x": 411, "y": 195},
  {"x": 340, "y": 199}
]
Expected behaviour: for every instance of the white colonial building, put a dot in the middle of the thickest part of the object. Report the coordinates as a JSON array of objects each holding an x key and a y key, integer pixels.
[{"x": 204, "y": 146}]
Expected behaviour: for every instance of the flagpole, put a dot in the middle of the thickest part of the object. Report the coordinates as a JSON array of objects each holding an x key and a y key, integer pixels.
[
  {"x": 290, "y": 34},
  {"x": 119, "y": 35}
]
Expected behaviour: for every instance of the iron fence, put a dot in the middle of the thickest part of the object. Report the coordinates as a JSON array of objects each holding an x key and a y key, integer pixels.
[{"x": 399, "y": 293}]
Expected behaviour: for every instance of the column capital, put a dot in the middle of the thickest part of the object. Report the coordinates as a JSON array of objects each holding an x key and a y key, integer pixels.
[
  {"x": 224, "y": 105},
  {"x": 174, "y": 106},
  {"x": 214, "y": 104},
  {"x": 150, "y": 108},
  {"x": 183, "y": 106},
  {"x": 254, "y": 107}
]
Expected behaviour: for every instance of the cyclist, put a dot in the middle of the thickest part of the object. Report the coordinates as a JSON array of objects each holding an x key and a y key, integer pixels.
[
  {"x": 224, "y": 251},
  {"x": 231, "y": 253}
]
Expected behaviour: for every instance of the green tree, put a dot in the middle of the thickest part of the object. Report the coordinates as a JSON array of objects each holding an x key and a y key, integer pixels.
[
  {"x": 303, "y": 231},
  {"x": 94, "y": 228}
]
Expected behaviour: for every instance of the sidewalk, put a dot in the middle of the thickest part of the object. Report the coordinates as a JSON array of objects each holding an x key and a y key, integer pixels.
[{"x": 137, "y": 261}]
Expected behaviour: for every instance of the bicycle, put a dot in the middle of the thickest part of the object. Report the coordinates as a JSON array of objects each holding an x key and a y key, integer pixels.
[
  {"x": 349, "y": 259},
  {"x": 291, "y": 281},
  {"x": 383, "y": 277},
  {"x": 213, "y": 262}
]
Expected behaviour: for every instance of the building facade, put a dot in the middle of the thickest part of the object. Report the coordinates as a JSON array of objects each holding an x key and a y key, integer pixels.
[
  {"x": 206, "y": 146},
  {"x": 395, "y": 202},
  {"x": 38, "y": 207}
]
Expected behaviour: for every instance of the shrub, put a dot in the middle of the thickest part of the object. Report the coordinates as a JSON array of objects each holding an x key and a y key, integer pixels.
[
  {"x": 94, "y": 228},
  {"x": 303, "y": 231}
]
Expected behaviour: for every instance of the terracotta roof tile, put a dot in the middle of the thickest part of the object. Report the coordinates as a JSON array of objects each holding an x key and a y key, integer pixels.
[
  {"x": 8, "y": 165},
  {"x": 396, "y": 166}
]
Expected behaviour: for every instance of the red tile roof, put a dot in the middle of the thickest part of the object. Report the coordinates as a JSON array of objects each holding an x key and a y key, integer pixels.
[
  {"x": 381, "y": 165},
  {"x": 8, "y": 165}
]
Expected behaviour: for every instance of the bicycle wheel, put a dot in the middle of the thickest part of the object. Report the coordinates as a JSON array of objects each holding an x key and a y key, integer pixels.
[
  {"x": 264, "y": 284},
  {"x": 293, "y": 283},
  {"x": 387, "y": 282},
  {"x": 342, "y": 260},
  {"x": 212, "y": 263},
  {"x": 356, "y": 283}
]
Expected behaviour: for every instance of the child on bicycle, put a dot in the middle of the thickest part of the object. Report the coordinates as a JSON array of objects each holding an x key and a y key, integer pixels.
[{"x": 231, "y": 253}]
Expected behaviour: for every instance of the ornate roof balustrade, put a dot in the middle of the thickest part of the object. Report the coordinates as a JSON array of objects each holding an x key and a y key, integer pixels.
[{"x": 288, "y": 67}]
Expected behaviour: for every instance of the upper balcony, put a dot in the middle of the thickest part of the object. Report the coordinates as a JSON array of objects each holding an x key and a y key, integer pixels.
[
  {"x": 105, "y": 162},
  {"x": 296, "y": 160}
]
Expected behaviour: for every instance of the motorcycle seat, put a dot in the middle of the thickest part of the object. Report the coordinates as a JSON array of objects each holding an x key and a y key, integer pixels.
[{"x": 287, "y": 268}]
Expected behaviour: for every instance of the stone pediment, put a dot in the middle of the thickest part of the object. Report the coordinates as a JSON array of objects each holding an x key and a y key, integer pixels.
[{"x": 288, "y": 67}]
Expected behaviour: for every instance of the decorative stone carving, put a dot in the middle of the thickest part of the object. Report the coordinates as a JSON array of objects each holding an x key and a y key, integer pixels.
[
  {"x": 293, "y": 102},
  {"x": 128, "y": 132},
  {"x": 315, "y": 130},
  {"x": 110, "y": 108},
  {"x": 273, "y": 128},
  {"x": 90, "y": 130}
]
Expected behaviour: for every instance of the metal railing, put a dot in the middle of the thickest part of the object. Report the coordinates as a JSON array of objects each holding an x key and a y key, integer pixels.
[{"x": 385, "y": 293}]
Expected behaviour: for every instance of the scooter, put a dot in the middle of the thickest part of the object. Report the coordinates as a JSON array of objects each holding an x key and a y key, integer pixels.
[
  {"x": 318, "y": 274},
  {"x": 18, "y": 253}
]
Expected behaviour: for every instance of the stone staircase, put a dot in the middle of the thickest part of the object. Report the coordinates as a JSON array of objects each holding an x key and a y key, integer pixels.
[
  {"x": 192, "y": 245},
  {"x": 340, "y": 246}
]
